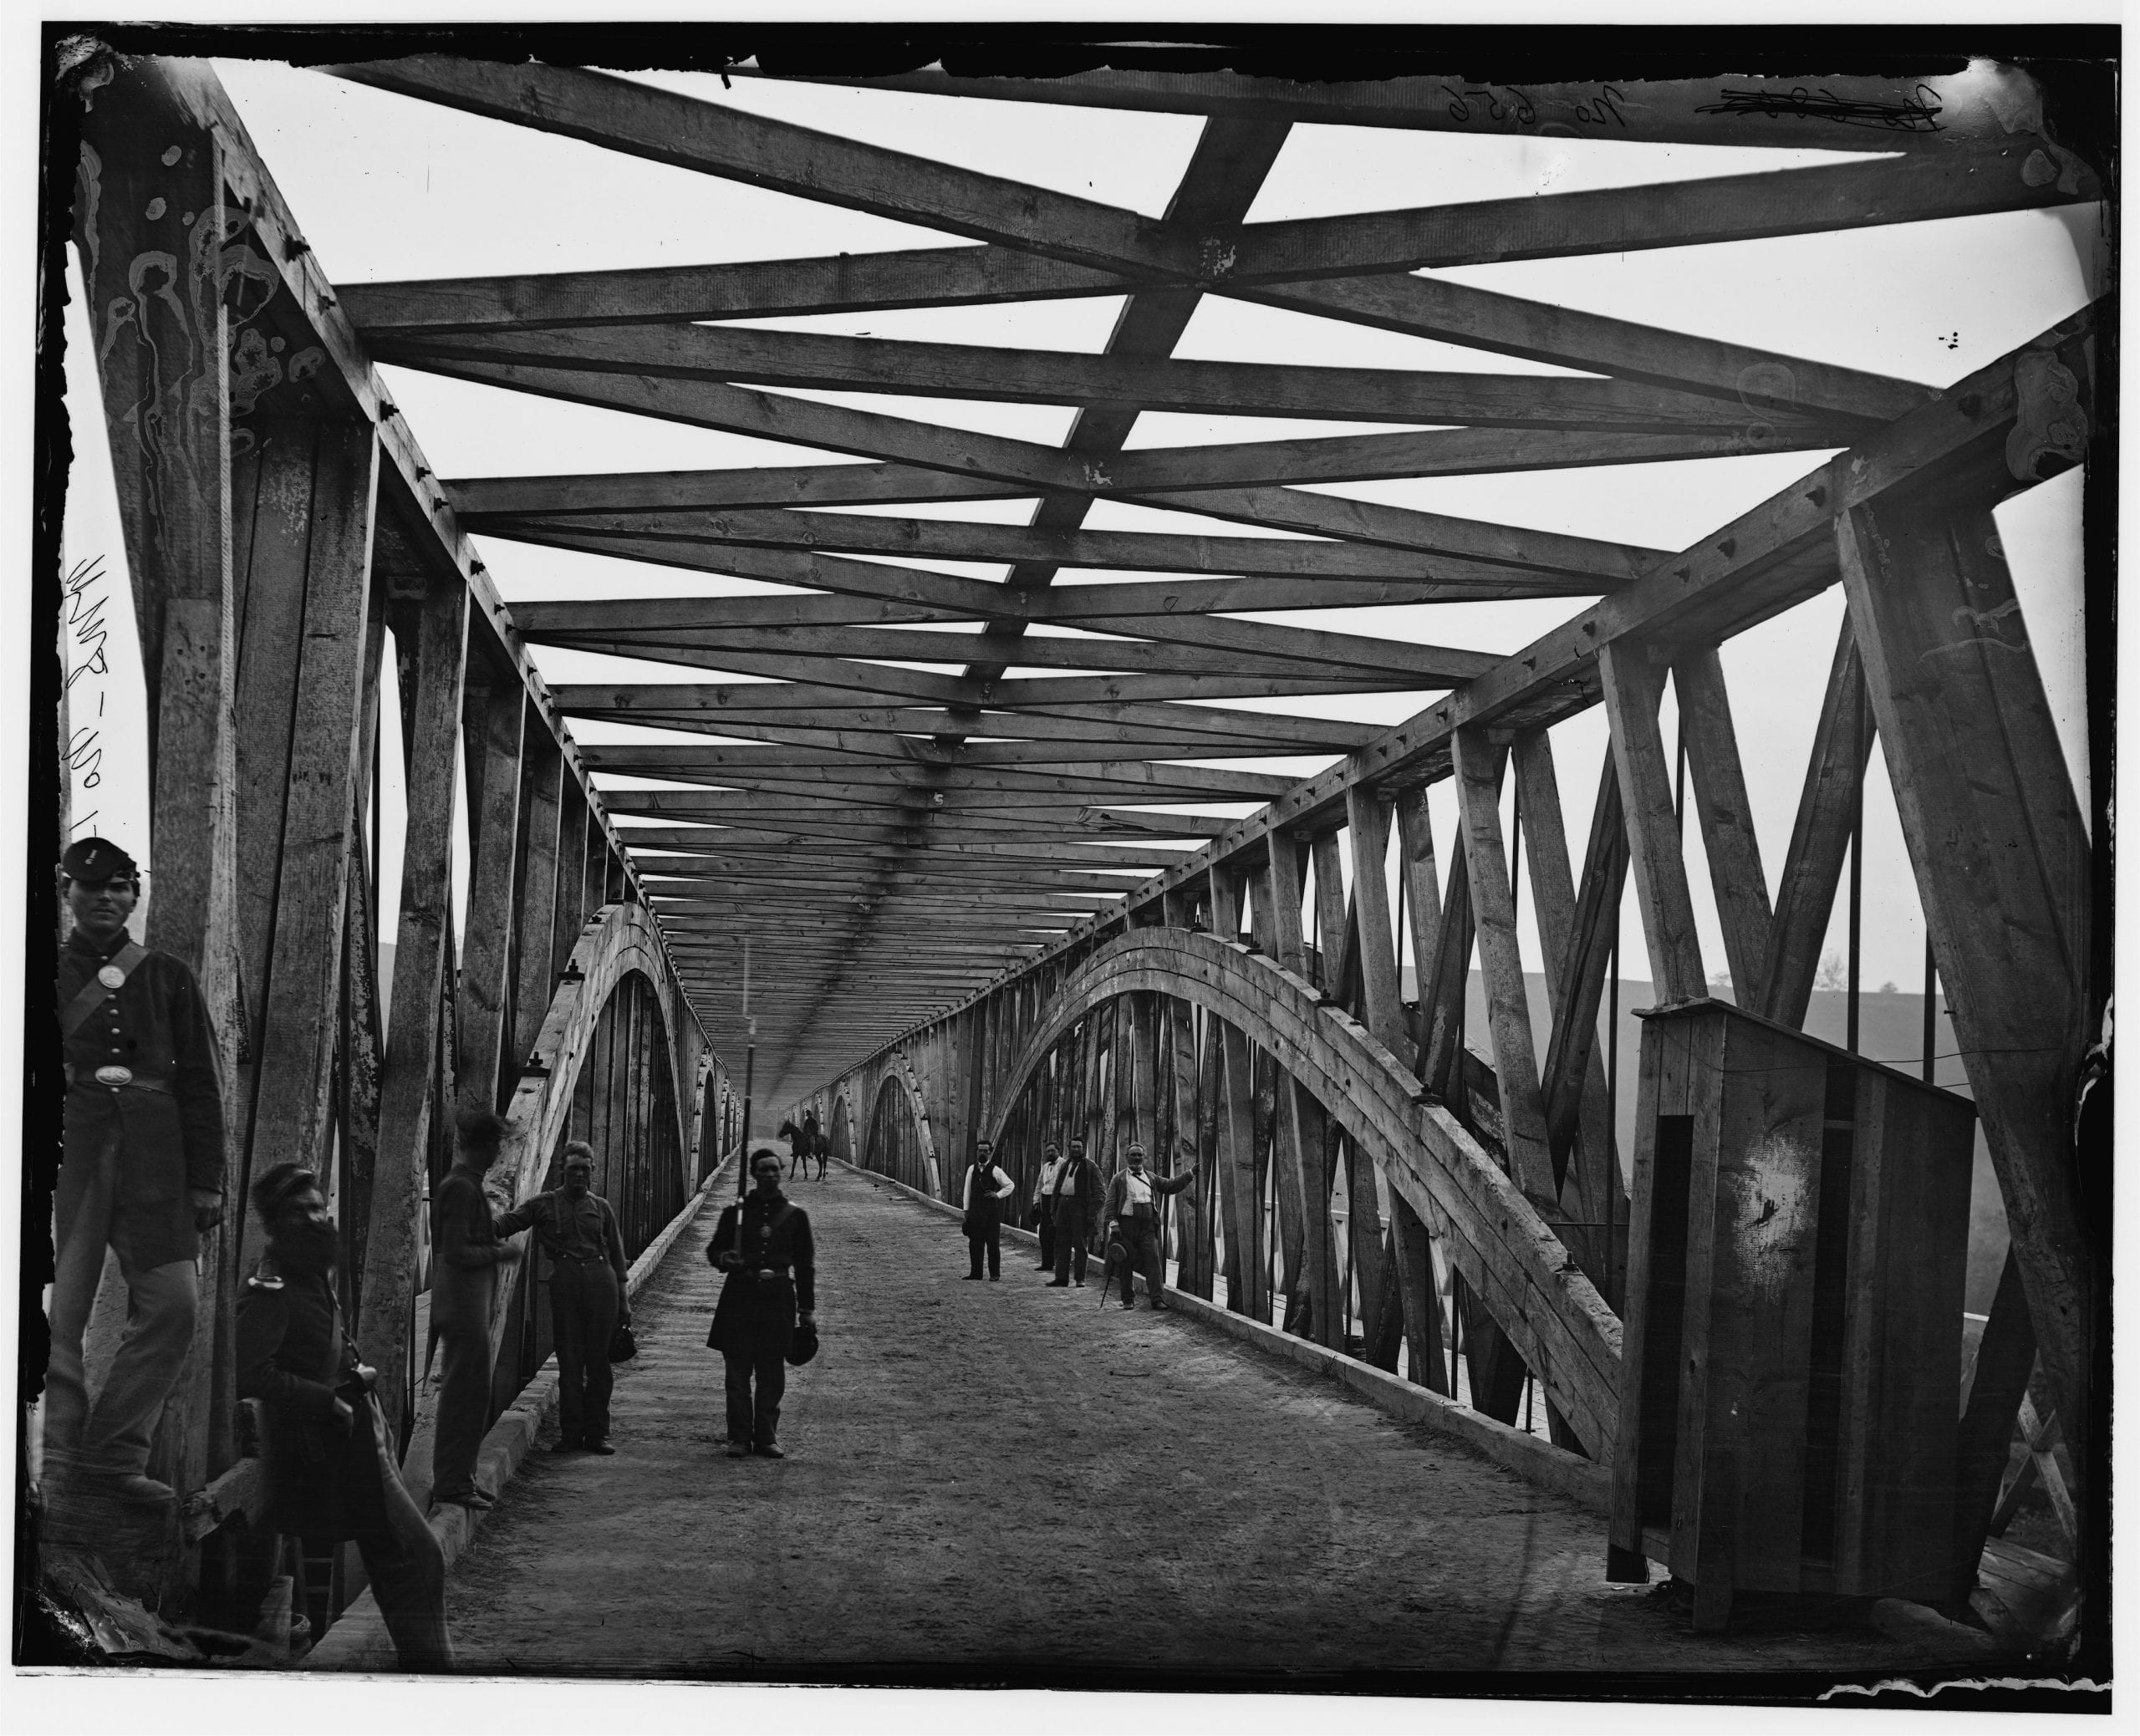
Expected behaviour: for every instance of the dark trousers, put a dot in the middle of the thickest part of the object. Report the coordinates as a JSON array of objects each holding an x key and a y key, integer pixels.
[
  {"x": 464, "y": 1405},
  {"x": 754, "y": 1419},
  {"x": 1140, "y": 1238},
  {"x": 1070, "y": 1238},
  {"x": 1048, "y": 1233},
  {"x": 583, "y": 1306},
  {"x": 992, "y": 1240}
]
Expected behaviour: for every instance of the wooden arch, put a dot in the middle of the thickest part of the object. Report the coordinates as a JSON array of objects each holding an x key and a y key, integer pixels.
[
  {"x": 1491, "y": 1232},
  {"x": 622, "y": 940}
]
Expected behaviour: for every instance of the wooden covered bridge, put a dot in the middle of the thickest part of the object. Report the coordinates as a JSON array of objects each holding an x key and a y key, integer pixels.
[{"x": 1039, "y": 813}]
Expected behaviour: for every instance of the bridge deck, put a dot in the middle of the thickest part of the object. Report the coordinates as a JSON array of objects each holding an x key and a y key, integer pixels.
[{"x": 1004, "y": 1478}]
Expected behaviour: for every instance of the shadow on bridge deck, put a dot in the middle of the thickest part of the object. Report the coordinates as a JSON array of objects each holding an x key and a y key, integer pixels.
[{"x": 1002, "y": 1481}]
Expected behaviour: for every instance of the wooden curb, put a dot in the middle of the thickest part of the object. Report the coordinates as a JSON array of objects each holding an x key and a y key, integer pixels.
[
  {"x": 358, "y": 1640},
  {"x": 1581, "y": 1480}
]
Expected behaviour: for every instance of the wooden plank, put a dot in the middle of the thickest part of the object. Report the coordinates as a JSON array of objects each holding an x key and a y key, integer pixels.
[
  {"x": 709, "y": 538},
  {"x": 2001, "y": 858},
  {"x": 1578, "y": 955},
  {"x": 1740, "y": 887},
  {"x": 1757, "y": 381},
  {"x": 1097, "y": 720},
  {"x": 749, "y": 289},
  {"x": 1665, "y": 214},
  {"x": 1368, "y": 824},
  {"x": 422, "y": 937},
  {"x": 543, "y": 823},
  {"x": 1998, "y": 1383},
  {"x": 1820, "y": 837},
  {"x": 1634, "y": 687},
  {"x": 1572, "y": 1087},
  {"x": 166, "y": 414},
  {"x": 1442, "y": 984},
  {"x": 735, "y": 145},
  {"x": 1426, "y": 1363},
  {"x": 1479, "y": 764},
  {"x": 494, "y": 725},
  {"x": 821, "y": 361},
  {"x": 1299, "y": 1138},
  {"x": 1963, "y": 110},
  {"x": 299, "y": 1026}
]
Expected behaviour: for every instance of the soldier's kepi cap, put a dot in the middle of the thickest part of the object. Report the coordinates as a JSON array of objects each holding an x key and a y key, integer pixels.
[
  {"x": 94, "y": 860},
  {"x": 280, "y": 1184}
]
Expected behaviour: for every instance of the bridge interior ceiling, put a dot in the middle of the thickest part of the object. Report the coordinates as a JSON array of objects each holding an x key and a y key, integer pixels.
[{"x": 1060, "y": 546}]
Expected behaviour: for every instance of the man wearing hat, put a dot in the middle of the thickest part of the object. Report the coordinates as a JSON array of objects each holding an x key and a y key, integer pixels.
[
  {"x": 577, "y": 1230},
  {"x": 330, "y": 1459},
  {"x": 767, "y": 1304},
  {"x": 1075, "y": 1195},
  {"x": 141, "y": 1173},
  {"x": 467, "y": 1256},
  {"x": 1133, "y": 1207}
]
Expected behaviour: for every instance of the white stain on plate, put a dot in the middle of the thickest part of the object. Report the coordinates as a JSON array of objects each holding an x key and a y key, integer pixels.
[{"x": 1774, "y": 1201}]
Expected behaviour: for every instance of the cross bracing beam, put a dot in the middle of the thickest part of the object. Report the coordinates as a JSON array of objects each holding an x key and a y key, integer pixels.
[
  {"x": 713, "y": 138},
  {"x": 733, "y": 535},
  {"x": 914, "y": 368}
]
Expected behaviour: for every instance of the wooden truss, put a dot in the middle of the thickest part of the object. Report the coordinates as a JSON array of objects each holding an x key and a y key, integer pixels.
[{"x": 944, "y": 810}]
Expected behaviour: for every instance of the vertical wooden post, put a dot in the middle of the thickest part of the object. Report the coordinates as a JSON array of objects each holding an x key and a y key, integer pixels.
[
  {"x": 1633, "y": 689},
  {"x": 300, "y": 1021},
  {"x": 151, "y": 224},
  {"x": 497, "y": 715},
  {"x": 1727, "y": 820},
  {"x": 2002, "y": 864},
  {"x": 1575, "y": 939},
  {"x": 422, "y": 942},
  {"x": 1366, "y": 819},
  {"x": 1426, "y": 1362},
  {"x": 1812, "y": 868},
  {"x": 1479, "y": 764},
  {"x": 1297, "y": 1139},
  {"x": 542, "y": 797}
]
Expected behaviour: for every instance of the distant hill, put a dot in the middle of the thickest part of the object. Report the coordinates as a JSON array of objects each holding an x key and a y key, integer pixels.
[{"x": 1890, "y": 1029}]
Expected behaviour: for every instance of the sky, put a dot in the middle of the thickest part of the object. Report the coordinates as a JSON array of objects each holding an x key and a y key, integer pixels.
[{"x": 387, "y": 187}]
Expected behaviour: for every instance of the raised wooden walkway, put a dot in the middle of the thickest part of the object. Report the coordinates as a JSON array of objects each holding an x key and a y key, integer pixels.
[{"x": 999, "y": 1482}]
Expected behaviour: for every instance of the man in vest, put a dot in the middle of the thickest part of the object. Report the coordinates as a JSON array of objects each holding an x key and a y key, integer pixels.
[
  {"x": 577, "y": 1230},
  {"x": 987, "y": 1187},
  {"x": 1133, "y": 1208},
  {"x": 466, "y": 1255},
  {"x": 1075, "y": 1193},
  {"x": 1044, "y": 1202},
  {"x": 141, "y": 1173}
]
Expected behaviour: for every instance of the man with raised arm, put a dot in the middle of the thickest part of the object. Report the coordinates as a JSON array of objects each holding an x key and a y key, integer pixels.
[{"x": 1132, "y": 1210}]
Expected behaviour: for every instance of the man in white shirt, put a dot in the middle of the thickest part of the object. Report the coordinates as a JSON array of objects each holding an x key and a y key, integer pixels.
[
  {"x": 1044, "y": 1202},
  {"x": 987, "y": 1187},
  {"x": 1133, "y": 1212}
]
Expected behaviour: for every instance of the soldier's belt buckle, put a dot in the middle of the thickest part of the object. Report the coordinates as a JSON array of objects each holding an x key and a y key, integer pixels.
[
  {"x": 764, "y": 1273},
  {"x": 114, "y": 1075}
]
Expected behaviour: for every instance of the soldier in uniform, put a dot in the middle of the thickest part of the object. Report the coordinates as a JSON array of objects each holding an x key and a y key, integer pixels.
[
  {"x": 1133, "y": 1210},
  {"x": 142, "y": 1171},
  {"x": 331, "y": 1475},
  {"x": 763, "y": 1243},
  {"x": 465, "y": 1256},
  {"x": 577, "y": 1230}
]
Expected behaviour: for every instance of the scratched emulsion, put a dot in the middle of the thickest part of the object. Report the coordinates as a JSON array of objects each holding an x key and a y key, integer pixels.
[{"x": 994, "y": 1477}]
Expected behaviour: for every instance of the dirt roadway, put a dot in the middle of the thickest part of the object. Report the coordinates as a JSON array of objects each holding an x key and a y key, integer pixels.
[{"x": 1006, "y": 1478}]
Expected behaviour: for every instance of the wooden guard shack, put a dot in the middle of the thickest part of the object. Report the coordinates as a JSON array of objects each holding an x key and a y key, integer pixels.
[{"x": 1792, "y": 1383}]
